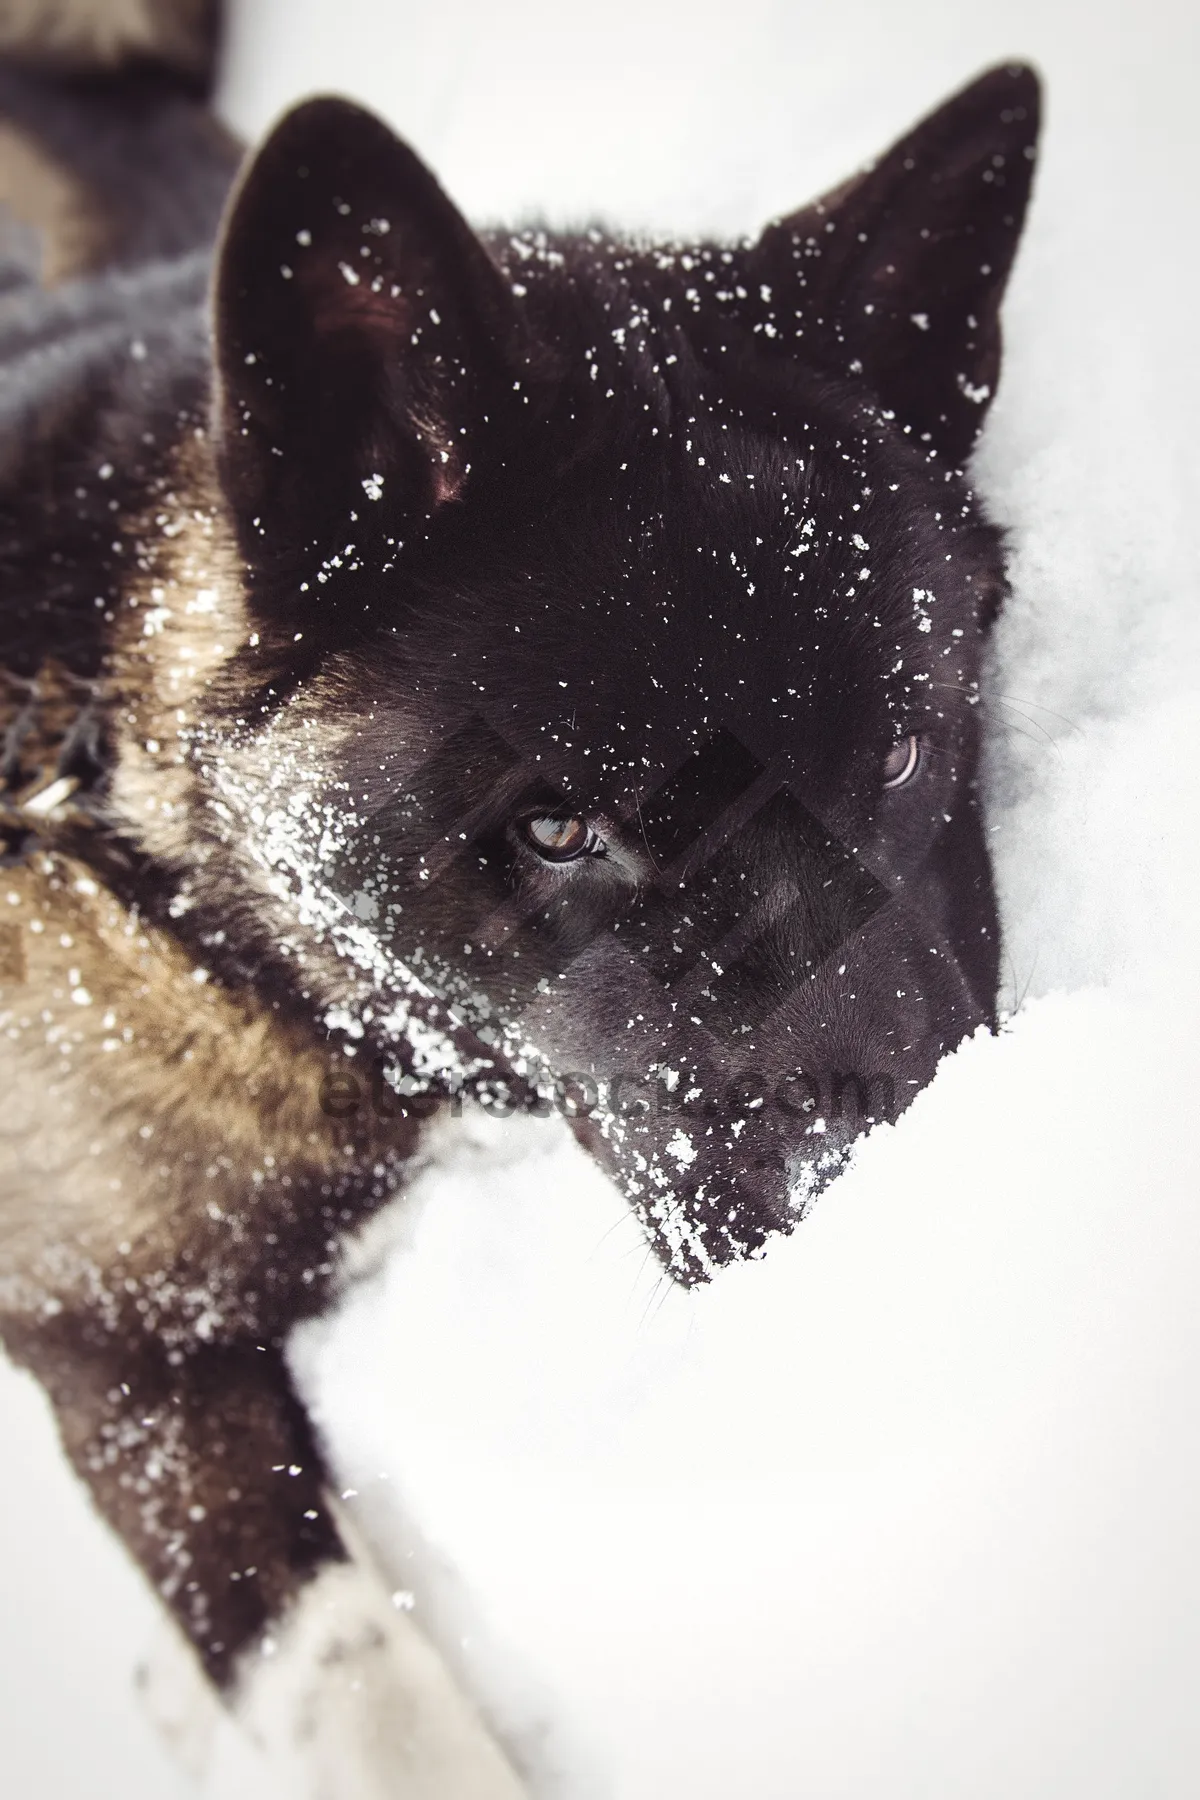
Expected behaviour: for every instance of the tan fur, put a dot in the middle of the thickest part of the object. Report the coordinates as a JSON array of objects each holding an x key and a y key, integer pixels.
[
  {"x": 73, "y": 234},
  {"x": 180, "y": 620},
  {"x": 138, "y": 1095},
  {"x": 105, "y": 32}
]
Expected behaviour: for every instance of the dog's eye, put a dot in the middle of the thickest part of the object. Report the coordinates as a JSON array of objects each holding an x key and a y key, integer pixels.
[
  {"x": 561, "y": 840},
  {"x": 902, "y": 761}
]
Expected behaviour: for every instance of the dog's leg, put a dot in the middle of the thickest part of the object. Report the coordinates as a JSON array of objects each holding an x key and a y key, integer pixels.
[
  {"x": 350, "y": 1695},
  {"x": 204, "y": 1464}
]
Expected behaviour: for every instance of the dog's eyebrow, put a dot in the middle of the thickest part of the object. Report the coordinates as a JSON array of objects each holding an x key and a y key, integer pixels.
[{"x": 690, "y": 802}]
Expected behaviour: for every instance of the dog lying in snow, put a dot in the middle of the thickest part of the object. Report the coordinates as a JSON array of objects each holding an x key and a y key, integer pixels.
[{"x": 542, "y": 668}]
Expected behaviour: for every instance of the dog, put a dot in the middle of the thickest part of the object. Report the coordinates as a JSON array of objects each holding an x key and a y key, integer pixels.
[{"x": 535, "y": 668}]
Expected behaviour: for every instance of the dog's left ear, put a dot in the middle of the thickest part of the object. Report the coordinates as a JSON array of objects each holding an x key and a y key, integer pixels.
[
  {"x": 897, "y": 277},
  {"x": 360, "y": 329}
]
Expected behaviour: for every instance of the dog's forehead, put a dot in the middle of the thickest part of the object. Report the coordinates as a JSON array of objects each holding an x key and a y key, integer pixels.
[
  {"x": 657, "y": 559},
  {"x": 738, "y": 588}
]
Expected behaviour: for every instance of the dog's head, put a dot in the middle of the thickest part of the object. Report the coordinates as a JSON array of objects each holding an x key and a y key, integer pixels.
[{"x": 613, "y": 621}]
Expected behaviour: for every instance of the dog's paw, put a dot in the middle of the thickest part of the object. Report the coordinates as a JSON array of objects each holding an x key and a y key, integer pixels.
[{"x": 350, "y": 1701}]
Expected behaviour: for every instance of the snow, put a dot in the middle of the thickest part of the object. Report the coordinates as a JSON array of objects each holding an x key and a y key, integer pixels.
[{"x": 908, "y": 1507}]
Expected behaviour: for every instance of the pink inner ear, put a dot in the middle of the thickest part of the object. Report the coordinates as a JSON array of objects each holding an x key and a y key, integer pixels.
[
  {"x": 383, "y": 322},
  {"x": 447, "y": 469},
  {"x": 449, "y": 479}
]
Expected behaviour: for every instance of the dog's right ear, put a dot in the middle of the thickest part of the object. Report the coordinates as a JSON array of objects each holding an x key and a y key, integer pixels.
[
  {"x": 895, "y": 279},
  {"x": 360, "y": 329}
]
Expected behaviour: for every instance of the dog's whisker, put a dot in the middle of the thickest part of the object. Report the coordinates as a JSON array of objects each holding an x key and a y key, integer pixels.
[{"x": 1016, "y": 700}]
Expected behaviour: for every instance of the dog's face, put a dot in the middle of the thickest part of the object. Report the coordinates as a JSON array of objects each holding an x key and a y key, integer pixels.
[{"x": 617, "y": 623}]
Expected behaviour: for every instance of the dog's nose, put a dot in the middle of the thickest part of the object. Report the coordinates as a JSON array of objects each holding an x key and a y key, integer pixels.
[
  {"x": 757, "y": 1205},
  {"x": 817, "y": 1160}
]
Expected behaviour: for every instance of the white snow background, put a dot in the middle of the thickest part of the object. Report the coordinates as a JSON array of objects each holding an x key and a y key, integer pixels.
[{"x": 909, "y": 1508}]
